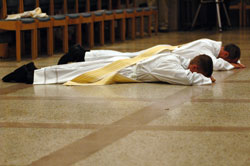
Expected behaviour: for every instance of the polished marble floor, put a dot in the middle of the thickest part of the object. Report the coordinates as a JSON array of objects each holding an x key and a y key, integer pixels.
[{"x": 129, "y": 124}]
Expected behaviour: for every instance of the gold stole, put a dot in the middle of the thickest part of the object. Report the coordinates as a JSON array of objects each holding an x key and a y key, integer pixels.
[{"x": 109, "y": 73}]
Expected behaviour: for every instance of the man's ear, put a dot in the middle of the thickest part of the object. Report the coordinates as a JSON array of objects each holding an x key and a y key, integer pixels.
[
  {"x": 193, "y": 68},
  {"x": 226, "y": 54}
]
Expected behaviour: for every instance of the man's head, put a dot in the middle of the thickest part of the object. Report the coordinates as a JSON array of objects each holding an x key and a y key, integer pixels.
[
  {"x": 230, "y": 53},
  {"x": 202, "y": 64}
]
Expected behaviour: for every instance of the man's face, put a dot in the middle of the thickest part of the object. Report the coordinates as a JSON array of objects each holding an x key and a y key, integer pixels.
[{"x": 224, "y": 55}]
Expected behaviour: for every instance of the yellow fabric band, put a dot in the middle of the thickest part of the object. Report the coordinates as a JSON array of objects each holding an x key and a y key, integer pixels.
[{"x": 108, "y": 74}]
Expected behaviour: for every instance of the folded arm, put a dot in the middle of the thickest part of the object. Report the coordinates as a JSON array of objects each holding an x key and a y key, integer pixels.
[{"x": 238, "y": 65}]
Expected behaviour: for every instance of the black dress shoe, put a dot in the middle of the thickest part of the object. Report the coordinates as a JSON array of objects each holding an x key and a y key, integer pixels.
[
  {"x": 19, "y": 75},
  {"x": 76, "y": 54},
  {"x": 64, "y": 59},
  {"x": 23, "y": 74},
  {"x": 31, "y": 66}
]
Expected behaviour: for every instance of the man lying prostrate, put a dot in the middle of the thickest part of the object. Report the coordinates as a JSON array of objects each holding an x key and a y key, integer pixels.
[
  {"x": 163, "y": 67},
  {"x": 224, "y": 58}
]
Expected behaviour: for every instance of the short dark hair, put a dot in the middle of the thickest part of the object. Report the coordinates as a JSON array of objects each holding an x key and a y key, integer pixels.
[
  {"x": 204, "y": 63},
  {"x": 233, "y": 50}
]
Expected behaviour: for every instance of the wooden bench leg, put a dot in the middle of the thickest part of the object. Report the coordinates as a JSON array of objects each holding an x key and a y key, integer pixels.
[
  {"x": 65, "y": 39},
  {"x": 18, "y": 44},
  {"x": 149, "y": 25},
  {"x": 91, "y": 34},
  {"x": 142, "y": 26},
  {"x": 23, "y": 44},
  {"x": 102, "y": 32},
  {"x": 156, "y": 23},
  {"x": 39, "y": 41},
  {"x": 34, "y": 43},
  {"x": 112, "y": 31},
  {"x": 50, "y": 43},
  {"x": 133, "y": 28},
  {"x": 79, "y": 34},
  {"x": 123, "y": 29}
]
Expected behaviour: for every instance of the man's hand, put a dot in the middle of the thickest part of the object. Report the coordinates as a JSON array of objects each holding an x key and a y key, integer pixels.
[
  {"x": 238, "y": 65},
  {"x": 212, "y": 79}
]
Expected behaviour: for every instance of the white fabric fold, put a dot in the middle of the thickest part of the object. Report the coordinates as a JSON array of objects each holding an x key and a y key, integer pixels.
[{"x": 36, "y": 13}]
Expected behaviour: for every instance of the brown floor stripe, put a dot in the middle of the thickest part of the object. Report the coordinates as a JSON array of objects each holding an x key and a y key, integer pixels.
[
  {"x": 13, "y": 88},
  {"x": 196, "y": 128},
  {"x": 96, "y": 141},
  {"x": 237, "y": 81},
  {"x": 13, "y": 165},
  {"x": 85, "y": 99},
  {"x": 134, "y": 127},
  {"x": 49, "y": 125},
  {"x": 222, "y": 100}
]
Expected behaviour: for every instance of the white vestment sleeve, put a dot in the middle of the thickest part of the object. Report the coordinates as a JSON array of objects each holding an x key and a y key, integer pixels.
[
  {"x": 197, "y": 47},
  {"x": 182, "y": 77},
  {"x": 221, "y": 64},
  {"x": 170, "y": 69},
  {"x": 205, "y": 46}
]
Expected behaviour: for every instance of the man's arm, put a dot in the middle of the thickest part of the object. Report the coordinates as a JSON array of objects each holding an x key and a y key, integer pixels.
[
  {"x": 238, "y": 65},
  {"x": 171, "y": 69},
  {"x": 181, "y": 77},
  {"x": 221, "y": 64},
  {"x": 212, "y": 79}
]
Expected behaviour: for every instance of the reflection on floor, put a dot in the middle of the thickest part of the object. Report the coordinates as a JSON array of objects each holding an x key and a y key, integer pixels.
[{"x": 129, "y": 124}]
